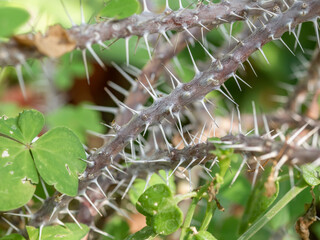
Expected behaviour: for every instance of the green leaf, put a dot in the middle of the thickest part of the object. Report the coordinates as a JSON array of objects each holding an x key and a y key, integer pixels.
[
  {"x": 78, "y": 118},
  {"x": 57, "y": 157},
  {"x": 262, "y": 196},
  {"x": 167, "y": 220},
  {"x": 9, "y": 127},
  {"x": 203, "y": 235},
  {"x": 118, "y": 228},
  {"x": 71, "y": 231},
  {"x": 14, "y": 236},
  {"x": 145, "y": 233},
  {"x": 30, "y": 123},
  {"x": 17, "y": 173},
  {"x": 139, "y": 185},
  {"x": 311, "y": 174},
  {"x": 23, "y": 128},
  {"x": 120, "y": 9},
  {"x": 150, "y": 201},
  {"x": 10, "y": 19}
]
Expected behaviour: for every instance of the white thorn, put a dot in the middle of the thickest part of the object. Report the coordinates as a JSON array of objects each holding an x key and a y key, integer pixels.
[
  {"x": 281, "y": 40},
  {"x": 315, "y": 23},
  {"x": 124, "y": 74},
  {"x": 127, "y": 49},
  {"x": 252, "y": 68},
  {"x": 145, "y": 37},
  {"x": 239, "y": 120},
  {"x": 297, "y": 39},
  {"x": 239, "y": 170},
  {"x": 91, "y": 203},
  {"x": 260, "y": 49},
  {"x": 129, "y": 185},
  {"x": 84, "y": 58},
  {"x": 102, "y": 108},
  {"x": 256, "y": 128},
  {"x": 118, "y": 88},
  {"x": 165, "y": 138},
  {"x": 197, "y": 72},
  {"x": 227, "y": 96},
  {"x": 44, "y": 188},
  {"x": 291, "y": 139},
  {"x": 68, "y": 15},
  {"x": 83, "y": 21},
  {"x": 95, "y": 56},
  {"x": 73, "y": 218},
  {"x": 21, "y": 81}
]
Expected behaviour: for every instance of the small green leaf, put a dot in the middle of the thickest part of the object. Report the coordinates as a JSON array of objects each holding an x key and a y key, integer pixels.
[
  {"x": 10, "y": 19},
  {"x": 167, "y": 220},
  {"x": 120, "y": 9},
  {"x": 145, "y": 233},
  {"x": 16, "y": 171},
  {"x": 262, "y": 196},
  {"x": 311, "y": 174},
  {"x": 57, "y": 155},
  {"x": 118, "y": 228},
  {"x": 150, "y": 201},
  {"x": 14, "y": 236},
  {"x": 203, "y": 235},
  {"x": 30, "y": 123},
  {"x": 71, "y": 231},
  {"x": 139, "y": 185}
]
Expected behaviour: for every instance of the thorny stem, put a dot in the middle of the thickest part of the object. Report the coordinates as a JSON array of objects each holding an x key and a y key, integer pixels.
[
  {"x": 187, "y": 93},
  {"x": 274, "y": 210},
  {"x": 212, "y": 15}
]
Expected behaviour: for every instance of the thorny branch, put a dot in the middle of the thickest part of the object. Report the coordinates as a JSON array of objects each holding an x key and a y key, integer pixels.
[
  {"x": 83, "y": 36},
  {"x": 183, "y": 95}
]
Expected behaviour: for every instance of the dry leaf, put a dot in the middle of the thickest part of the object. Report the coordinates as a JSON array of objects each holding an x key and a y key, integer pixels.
[{"x": 55, "y": 43}]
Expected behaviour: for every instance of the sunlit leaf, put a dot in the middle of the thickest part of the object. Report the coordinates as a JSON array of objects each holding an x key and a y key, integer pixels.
[
  {"x": 57, "y": 155},
  {"x": 10, "y": 19},
  {"x": 120, "y": 9}
]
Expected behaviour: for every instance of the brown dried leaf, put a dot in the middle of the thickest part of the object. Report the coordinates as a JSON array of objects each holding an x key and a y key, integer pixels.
[
  {"x": 54, "y": 44},
  {"x": 27, "y": 40}
]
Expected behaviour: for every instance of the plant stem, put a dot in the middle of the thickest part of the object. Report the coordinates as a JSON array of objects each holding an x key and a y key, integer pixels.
[
  {"x": 274, "y": 210},
  {"x": 181, "y": 197},
  {"x": 211, "y": 207},
  {"x": 189, "y": 216}
]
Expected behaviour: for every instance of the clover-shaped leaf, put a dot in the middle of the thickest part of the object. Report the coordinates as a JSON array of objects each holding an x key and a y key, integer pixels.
[
  {"x": 56, "y": 156},
  {"x": 71, "y": 231}
]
